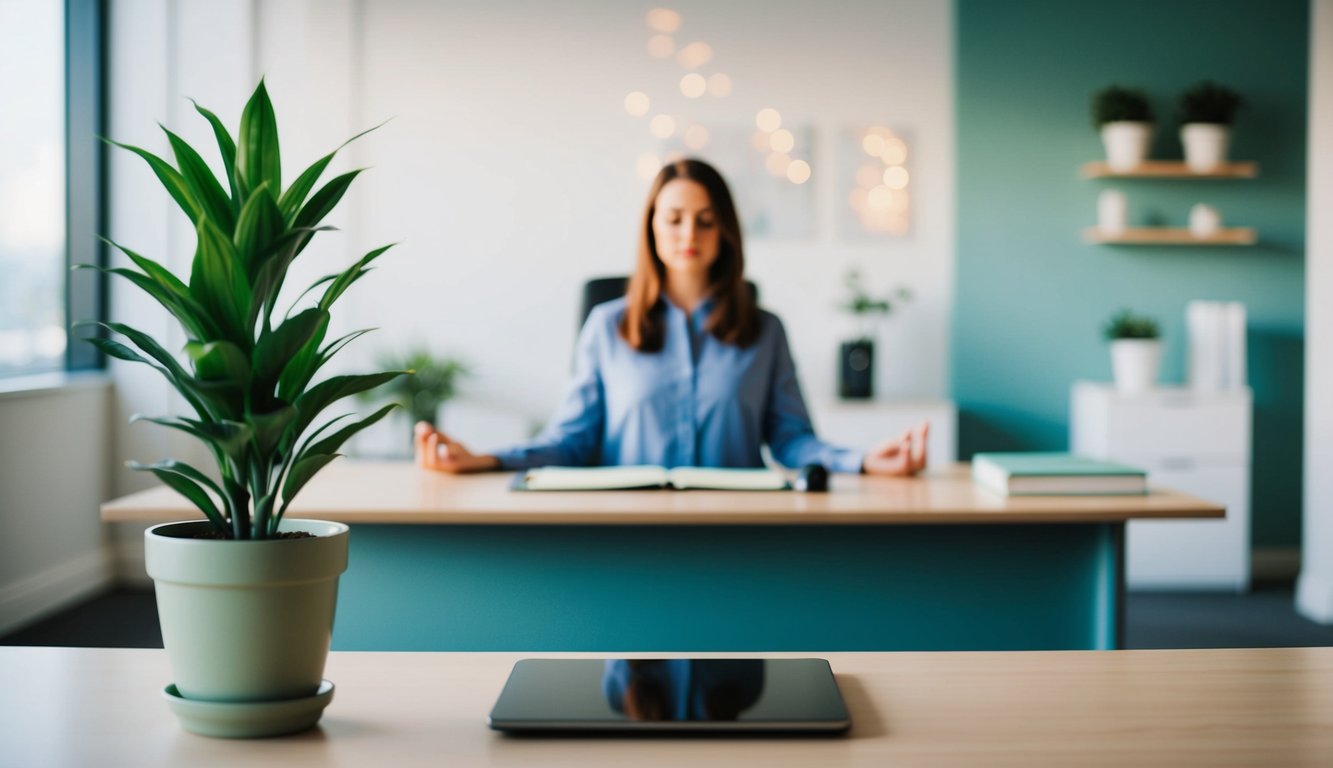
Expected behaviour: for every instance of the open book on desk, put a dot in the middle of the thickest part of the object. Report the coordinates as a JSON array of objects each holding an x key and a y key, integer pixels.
[{"x": 648, "y": 476}]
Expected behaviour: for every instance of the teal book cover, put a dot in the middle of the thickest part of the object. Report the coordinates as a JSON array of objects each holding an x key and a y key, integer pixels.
[
  {"x": 1055, "y": 474},
  {"x": 1053, "y": 464}
]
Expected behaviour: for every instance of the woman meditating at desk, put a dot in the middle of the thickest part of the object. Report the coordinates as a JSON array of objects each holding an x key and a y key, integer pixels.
[{"x": 685, "y": 369}]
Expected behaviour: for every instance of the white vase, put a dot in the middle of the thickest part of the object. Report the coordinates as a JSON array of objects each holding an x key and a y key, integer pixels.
[
  {"x": 1126, "y": 143},
  {"x": 1112, "y": 212},
  {"x": 1206, "y": 145},
  {"x": 1135, "y": 363},
  {"x": 1205, "y": 221}
]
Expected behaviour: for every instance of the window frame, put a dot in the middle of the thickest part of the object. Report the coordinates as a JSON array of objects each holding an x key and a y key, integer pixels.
[{"x": 85, "y": 178}]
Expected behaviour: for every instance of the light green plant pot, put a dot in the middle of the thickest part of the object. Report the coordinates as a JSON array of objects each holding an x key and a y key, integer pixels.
[{"x": 247, "y": 621}]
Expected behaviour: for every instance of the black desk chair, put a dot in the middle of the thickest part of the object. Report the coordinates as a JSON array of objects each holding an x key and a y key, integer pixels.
[{"x": 600, "y": 289}]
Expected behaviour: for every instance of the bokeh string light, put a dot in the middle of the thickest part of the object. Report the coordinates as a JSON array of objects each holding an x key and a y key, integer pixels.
[
  {"x": 775, "y": 143},
  {"x": 880, "y": 198}
]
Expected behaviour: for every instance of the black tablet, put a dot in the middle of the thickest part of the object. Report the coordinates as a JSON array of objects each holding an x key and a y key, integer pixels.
[{"x": 662, "y": 695}]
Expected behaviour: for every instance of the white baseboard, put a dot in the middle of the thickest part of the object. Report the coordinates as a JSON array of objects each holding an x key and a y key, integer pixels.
[
  {"x": 46, "y": 592},
  {"x": 1314, "y": 597},
  {"x": 128, "y": 564}
]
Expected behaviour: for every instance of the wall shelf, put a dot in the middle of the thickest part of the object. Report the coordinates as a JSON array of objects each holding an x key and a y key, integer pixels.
[
  {"x": 1170, "y": 236},
  {"x": 1170, "y": 169}
]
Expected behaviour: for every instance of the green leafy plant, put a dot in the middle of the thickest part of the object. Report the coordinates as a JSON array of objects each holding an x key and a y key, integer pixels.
[
  {"x": 1125, "y": 324},
  {"x": 249, "y": 371},
  {"x": 1116, "y": 104},
  {"x": 865, "y": 307},
  {"x": 1208, "y": 102},
  {"x": 432, "y": 381},
  {"x": 860, "y": 302}
]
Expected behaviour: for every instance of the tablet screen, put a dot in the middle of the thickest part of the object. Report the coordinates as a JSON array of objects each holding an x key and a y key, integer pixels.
[{"x": 713, "y": 695}]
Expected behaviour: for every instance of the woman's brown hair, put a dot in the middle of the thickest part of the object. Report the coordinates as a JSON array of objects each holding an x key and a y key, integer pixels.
[{"x": 735, "y": 318}]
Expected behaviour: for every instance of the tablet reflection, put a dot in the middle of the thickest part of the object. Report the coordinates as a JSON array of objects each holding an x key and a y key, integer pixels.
[{"x": 683, "y": 689}]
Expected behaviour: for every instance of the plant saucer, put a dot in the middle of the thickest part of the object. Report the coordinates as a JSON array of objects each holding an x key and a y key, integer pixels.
[{"x": 248, "y": 719}]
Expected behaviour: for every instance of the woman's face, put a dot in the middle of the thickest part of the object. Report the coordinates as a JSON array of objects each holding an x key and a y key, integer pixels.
[{"x": 685, "y": 228}]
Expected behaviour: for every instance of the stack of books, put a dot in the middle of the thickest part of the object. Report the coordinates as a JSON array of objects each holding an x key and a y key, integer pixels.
[{"x": 1055, "y": 474}]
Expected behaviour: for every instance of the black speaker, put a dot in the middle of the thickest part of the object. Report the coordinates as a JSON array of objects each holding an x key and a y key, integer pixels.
[{"x": 856, "y": 370}]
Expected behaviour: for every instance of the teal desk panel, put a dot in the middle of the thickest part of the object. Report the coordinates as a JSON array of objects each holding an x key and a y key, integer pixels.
[{"x": 731, "y": 588}]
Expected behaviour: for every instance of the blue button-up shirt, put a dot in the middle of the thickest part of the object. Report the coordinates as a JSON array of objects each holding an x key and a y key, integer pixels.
[{"x": 699, "y": 402}]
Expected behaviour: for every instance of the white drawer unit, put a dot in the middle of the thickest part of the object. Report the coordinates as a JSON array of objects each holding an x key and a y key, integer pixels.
[{"x": 1195, "y": 442}]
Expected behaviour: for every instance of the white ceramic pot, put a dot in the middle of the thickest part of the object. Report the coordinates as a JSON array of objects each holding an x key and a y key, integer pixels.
[
  {"x": 1206, "y": 145},
  {"x": 246, "y": 622},
  {"x": 1135, "y": 363},
  {"x": 1126, "y": 143}
]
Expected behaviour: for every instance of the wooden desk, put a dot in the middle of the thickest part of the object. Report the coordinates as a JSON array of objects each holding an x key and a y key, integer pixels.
[
  {"x": 931, "y": 563},
  {"x": 1269, "y": 707}
]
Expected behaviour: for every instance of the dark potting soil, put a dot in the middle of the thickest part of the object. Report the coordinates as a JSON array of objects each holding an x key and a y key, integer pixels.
[{"x": 212, "y": 534}]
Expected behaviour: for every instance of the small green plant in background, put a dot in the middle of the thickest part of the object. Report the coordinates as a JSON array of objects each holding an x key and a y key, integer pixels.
[
  {"x": 860, "y": 302},
  {"x": 250, "y": 369},
  {"x": 431, "y": 382},
  {"x": 864, "y": 306},
  {"x": 1125, "y": 324},
  {"x": 1115, "y": 104},
  {"x": 1208, "y": 102}
]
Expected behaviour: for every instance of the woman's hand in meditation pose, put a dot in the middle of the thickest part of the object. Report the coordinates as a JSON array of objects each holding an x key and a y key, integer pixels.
[
  {"x": 436, "y": 451},
  {"x": 902, "y": 457}
]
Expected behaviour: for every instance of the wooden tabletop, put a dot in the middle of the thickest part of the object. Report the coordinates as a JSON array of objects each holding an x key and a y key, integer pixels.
[
  {"x": 400, "y": 493},
  {"x": 1264, "y": 707}
]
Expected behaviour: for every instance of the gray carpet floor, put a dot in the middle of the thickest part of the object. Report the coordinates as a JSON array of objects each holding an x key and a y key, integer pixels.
[{"x": 1263, "y": 617}]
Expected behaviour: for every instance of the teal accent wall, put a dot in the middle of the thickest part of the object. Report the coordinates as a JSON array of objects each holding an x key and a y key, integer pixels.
[{"x": 1031, "y": 295}]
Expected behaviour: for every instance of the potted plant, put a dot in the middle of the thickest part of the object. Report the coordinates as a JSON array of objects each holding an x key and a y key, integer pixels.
[
  {"x": 246, "y": 596},
  {"x": 1125, "y": 119},
  {"x": 1207, "y": 111},
  {"x": 856, "y": 366},
  {"x": 1136, "y": 351},
  {"x": 433, "y": 381}
]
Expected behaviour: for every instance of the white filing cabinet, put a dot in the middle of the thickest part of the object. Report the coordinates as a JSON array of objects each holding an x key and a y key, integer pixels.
[
  {"x": 866, "y": 423},
  {"x": 1191, "y": 441}
]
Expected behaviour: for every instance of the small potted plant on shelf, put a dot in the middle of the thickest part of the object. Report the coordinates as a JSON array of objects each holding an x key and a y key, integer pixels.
[
  {"x": 1207, "y": 111},
  {"x": 433, "y": 381},
  {"x": 856, "y": 357},
  {"x": 1136, "y": 351},
  {"x": 246, "y": 595},
  {"x": 1125, "y": 119}
]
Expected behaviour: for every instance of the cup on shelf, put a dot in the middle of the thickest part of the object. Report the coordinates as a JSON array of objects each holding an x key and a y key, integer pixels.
[
  {"x": 1205, "y": 221},
  {"x": 1112, "y": 212}
]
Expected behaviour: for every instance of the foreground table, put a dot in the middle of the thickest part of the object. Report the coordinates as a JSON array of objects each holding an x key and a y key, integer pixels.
[
  {"x": 929, "y": 563},
  {"x": 1268, "y": 707}
]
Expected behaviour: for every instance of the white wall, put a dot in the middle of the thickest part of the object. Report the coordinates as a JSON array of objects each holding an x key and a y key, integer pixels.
[
  {"x": 508, "y": 171},
  {"x": 1314, "y": 592},
  {"x": 159, "y": 53},
  {"x": 52, "y": 549}
]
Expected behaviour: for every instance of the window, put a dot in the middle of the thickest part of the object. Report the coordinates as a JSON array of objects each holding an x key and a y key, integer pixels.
[
  {"x": 50, "y": 181},
  {"x": 32, "y": 186}
]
